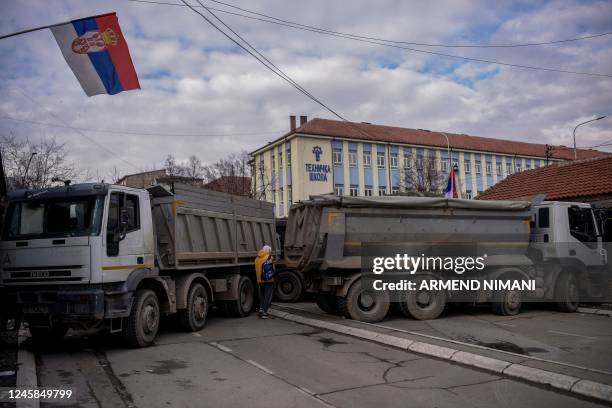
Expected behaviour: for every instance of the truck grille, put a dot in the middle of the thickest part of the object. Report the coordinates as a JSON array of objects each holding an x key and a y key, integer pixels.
[{"x": 42, "y": 273}]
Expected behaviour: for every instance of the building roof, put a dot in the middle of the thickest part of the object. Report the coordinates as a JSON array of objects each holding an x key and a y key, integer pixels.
[
  {"x": 231, "y": 184},
  {"x": 583, "y": 178},
  {"x": 391, "y": 134}
]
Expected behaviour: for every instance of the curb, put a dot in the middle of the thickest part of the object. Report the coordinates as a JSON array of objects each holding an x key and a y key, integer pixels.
[
  {"x": 26, "y": 372},
  {"x": 598, "y": 312},
  {"x": 558, "y": 381}
]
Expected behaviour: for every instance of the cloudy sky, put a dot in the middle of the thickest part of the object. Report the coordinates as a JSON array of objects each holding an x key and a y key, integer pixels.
[{"x": 196, "y": 82}]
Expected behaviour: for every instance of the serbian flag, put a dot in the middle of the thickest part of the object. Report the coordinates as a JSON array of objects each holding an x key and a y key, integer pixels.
[
  {"x": 96, "y": 51},
  {"x": 451, "y": 186}
]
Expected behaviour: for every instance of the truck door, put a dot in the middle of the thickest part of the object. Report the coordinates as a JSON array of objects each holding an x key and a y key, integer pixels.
[
  {"x": 124, "y": 237},
  {"x": 586, "y": 245}
]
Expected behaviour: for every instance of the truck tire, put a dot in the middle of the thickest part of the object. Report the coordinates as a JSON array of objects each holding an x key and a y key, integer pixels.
[
  {"x": 366, "y": 305},
  {"x": 423, "y": 304},
  {"x": 566, "y": 293},
  {"x": 289, "y": 287},
  {"x": 193, "y": 318},
  {"x": 507, "y": 302},
  {"x": 242, "y": 306},
  {"x": 328, "y": 303},
  {"x": 142, "y": 324}
]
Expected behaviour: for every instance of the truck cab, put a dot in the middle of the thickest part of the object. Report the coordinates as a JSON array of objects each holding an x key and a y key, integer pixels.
[{"x": 63, "y": 247}]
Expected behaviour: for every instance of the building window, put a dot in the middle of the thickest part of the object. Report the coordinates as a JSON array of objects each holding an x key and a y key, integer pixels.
[
  {"x": 467, "y": 166},
  {"x": 489, "y": 168},
  {"x": 368, "y": 191},
  {"x": 280, "y": 158},
  {"x": 273, "y": 162},
  {"x": 478, "y": 167},
  {"x": 499, "y": 169},
  {"x": 407, "y": 161},
  {"x": 508, "y": 168},
  {"x": 517, "y": 166},
  {"x": 419, "y": 162},
  {"x": 337, "y": 157},
  {"x": 444, "y": 164},
  {"x": 380, "y": 160},
  {"x": 394, "y": 190},
  {"x": 367, "y": 159},
  {"x": 354, "y": 191},
  {"x": 353, "y": 158},
  {"x": 394, "y": 161},
  {"x": 527, "y": 166},
  {"x": 281, "y": 196},
  {"x": 339, "y": 190},
  {"x": 468, "y": 194},
  {"x": 289, "y": 195},
  {"x": 289, "y": 157},
  {"x": 382, "y": 191},
  {"x": 456, "y": 164}
]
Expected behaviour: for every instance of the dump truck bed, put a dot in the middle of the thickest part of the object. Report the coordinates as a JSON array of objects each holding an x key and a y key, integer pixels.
[
  {"x": 331, "y": 231},
  {"x": 198, "y": 228}
]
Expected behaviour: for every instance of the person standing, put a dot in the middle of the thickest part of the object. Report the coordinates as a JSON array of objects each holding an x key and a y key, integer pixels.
[{"x": 264, "y": 271}]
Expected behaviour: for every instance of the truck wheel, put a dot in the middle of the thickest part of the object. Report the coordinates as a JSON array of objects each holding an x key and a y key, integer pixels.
[
  {"x": 48, "y": 334},
  {"x": 242, "y": 306},
  {"x": 327, "y": 302},
  {"x": 143, "y": 322},
  {"x": 423, "y": 304},
  {"x": 193, "y": 317},
  {"x": 342, "y": 306},
  {"x": 566, "y": 293},
  {"x": 288, "y": 286},
  {"x": 366, "y": 305},
  {"x": 507, "y": 302}
]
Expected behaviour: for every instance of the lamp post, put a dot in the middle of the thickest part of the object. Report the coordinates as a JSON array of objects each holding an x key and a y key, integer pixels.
[
  {"x": 25, "y": 175},
  {"x": 447, "y": 149},
  {"x": 580, "y": 124}
]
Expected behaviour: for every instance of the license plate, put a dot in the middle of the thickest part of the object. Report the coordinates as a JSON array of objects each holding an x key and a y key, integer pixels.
[{"x": 36, "y": 309}]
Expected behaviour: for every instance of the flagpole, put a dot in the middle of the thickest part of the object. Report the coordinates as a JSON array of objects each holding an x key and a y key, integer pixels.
[{"x": 50, "y": 26}]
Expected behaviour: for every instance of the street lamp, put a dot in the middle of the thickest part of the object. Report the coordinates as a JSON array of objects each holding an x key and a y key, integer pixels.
[
  {"x": 25, "y": 175},
  {"x": 580, "y": 124},
  {"x": 447, "y": 149}
]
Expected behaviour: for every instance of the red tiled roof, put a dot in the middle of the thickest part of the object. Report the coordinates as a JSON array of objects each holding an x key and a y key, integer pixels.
[
  {"x": 231, "y": 184},
  {"x": 583, "y": 178},
  {"x": 366, "y": 131}
]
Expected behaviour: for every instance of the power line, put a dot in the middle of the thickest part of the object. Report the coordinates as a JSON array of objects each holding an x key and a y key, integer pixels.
[
  {"x": 385, "y": 44},
  {"x": 289, "y": 22},
  {"x": 135, "y": 133},
  {"x": 50, "y": 113},
  {"x": 263, "y": 60}
]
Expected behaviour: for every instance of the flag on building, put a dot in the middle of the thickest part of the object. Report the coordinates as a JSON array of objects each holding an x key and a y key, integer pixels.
[
  {"x": 451, "y": 190},
  {"x": 96, "y": 51}
]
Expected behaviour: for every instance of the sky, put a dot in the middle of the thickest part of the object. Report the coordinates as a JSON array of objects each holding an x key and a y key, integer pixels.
[{"x": 196, "y": 82}]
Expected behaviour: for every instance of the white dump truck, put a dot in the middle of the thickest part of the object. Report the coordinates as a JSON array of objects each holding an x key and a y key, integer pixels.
[
  {"x": 99, "y": 255},
  {"x": 557, "y": 245}
]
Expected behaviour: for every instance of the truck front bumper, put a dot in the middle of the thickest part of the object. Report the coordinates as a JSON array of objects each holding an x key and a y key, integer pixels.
[{"x": 70, "y": 303}]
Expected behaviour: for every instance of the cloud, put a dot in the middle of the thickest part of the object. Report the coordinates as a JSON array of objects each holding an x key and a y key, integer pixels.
[{"x": 195, "y": 81}]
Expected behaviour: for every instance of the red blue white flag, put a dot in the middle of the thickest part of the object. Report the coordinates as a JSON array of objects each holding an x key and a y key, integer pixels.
[
  {"x": 451, "y": 190},
  {"x": 96, "y": 51}
]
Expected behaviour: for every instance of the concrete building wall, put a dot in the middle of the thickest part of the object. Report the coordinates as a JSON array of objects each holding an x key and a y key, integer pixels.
[{"x": 305, "y": 175}]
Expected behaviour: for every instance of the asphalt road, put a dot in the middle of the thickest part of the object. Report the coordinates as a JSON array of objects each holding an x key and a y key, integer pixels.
[
  {"x": 574, "y": 338},
  {"x": 273, "y": 363}
]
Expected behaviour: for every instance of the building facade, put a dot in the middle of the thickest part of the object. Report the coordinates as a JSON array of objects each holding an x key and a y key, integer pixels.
[{"x": 360, "y": 159}]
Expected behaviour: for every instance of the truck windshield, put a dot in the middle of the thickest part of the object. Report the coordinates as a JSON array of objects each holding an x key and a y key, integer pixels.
[{"x": 51, "y": 218}]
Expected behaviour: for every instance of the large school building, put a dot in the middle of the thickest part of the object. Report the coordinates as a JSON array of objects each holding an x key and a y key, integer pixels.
[{"x": 324, "y": 156}]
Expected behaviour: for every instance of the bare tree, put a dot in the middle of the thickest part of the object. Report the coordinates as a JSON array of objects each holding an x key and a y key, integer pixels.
[
  {"x": 33, "y": 165},
  {"x": 173, "y": 168},
  {"x": 422, "y": 178},
  {"x": 231, "y": 174},
  {"x": 264, "y": 183},
  {"x": 194, "y": 167}
]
